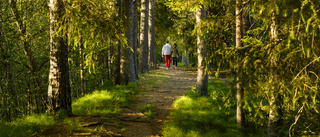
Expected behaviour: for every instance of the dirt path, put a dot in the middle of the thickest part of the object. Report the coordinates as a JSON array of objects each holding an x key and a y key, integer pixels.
[
  {"x": 159, "y": 89},
  {"x": 161, "y": 94}
]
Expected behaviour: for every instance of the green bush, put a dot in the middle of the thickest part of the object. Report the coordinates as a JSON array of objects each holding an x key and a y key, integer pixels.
[
  {"x": 213, "y": 116},
  {"x": 27, "y": 126},
  {"x": 198, "y": 116},
  {"x": 105, "y": 101}
]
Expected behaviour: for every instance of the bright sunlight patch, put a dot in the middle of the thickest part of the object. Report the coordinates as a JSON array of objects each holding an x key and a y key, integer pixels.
[
  {"x": 25, "y": 127},
  {"x": 104, "y": 101},
  {"x": 196, "y": 116}
]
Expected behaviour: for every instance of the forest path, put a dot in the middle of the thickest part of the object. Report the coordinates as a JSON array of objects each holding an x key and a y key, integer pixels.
[
  {"x": 167, "y": 85},
  {"x": 158, "y": 88}
]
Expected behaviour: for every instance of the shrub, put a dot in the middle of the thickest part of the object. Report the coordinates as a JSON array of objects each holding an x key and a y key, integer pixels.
[{"x": 25, "y": 127}]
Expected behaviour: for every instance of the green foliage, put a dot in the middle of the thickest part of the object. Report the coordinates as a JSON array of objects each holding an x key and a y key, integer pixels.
[
  {"x": 164, "y": 25},
  {"x": 25, "y": 127},
  {"x": 93, "y": 24},
  {"x": 15, "y": 70},
  {"x": 194, "y": 115},
  {"x": 295, "y": 54},
  {"x": 107, "y": 101},
  {"x": 73, "y": 124},
  {"x": 150, "y": 79},
  {"x": 148, "y": 110}
]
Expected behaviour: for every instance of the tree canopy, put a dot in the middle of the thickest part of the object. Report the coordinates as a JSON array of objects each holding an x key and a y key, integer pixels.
[{"x": 277, "y": 63}]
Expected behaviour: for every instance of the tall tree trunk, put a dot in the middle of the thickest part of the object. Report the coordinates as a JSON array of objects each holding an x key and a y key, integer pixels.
[
  {"x": 144, "y": 52},
  {"x": 116, "y": 54},
  {"x": 240, "y": 90},
  {"x": 135, "y": 38},
  {"x": 275, "y": 113},
  {"x": 151, "y": 35},
  {"x": 59, "y": 92},
  {"x": 202, "y": 74},
  {"x": 82, "y": 72},
  {"x": 124, "y": 62},
  {"x": 130, "y": 36}
]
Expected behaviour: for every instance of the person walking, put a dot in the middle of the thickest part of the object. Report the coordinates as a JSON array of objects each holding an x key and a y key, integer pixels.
[
  {"x": 175, "y": 55},
  {"x": 166, "y": 49}
]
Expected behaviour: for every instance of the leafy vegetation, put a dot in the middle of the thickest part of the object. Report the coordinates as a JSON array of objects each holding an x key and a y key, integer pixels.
[
  {"x": 279, "y": 58},
  {"x": 100, "y": 102},
  {"x": 108, "y": 101},
  {"x": 197, "y": 116},
  {"x": 148, "y": 110},
  {"x": 25, "y": 127}
]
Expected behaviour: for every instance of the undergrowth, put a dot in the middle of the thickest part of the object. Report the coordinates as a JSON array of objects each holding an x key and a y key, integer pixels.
[
  {"x": 196, "y": 116},
  {"x": 148, "y": 109},
  {"x": 25, "y": 127},
  {"x": 106, "y": 101}
]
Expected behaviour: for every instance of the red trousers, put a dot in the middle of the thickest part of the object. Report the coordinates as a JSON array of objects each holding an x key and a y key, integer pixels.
[{"x": 167, "y": 59}]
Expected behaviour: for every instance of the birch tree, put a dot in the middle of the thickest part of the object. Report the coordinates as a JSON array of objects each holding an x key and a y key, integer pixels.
[
  {"x": 144, "y": 27},
  {"x": 59, "y": 92},
  {"x": 238, "y": 14},
  {"x": 202, "y": 74}
]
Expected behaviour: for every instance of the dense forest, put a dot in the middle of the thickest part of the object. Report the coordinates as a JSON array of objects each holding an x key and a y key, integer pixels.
[{"x": 53, "y": 52}]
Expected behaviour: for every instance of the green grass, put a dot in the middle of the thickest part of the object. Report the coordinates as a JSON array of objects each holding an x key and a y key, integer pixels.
[
  {"x": 73, "y": 124},
  {"x": 196, "y": 116},
  {"x": 26, "y": 126},
  {"x": 148, "y": 110},
  {"x": 187, "y": 68},
  {"x": 107, "y": 101},
  {"x": 180, "y": 64}
]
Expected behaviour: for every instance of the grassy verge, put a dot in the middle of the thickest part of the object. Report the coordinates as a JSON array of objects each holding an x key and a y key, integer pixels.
[
  {"x": 108, "y": 100},
  {"x": 196, "y": 116},
  {"x": 25, "y": 127}
]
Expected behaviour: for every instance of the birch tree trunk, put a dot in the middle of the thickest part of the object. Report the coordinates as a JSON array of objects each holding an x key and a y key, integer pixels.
[
  {"x": 82, "y": 71},
  {"x": 152, "y": 40},
  {"x": 240, "y": 116},
  {"x": 59, "y": 92},
  {"x": 144, "y": 52},
  {"x": 275, "y": 112},
  {"x": 202, "y": 74}
]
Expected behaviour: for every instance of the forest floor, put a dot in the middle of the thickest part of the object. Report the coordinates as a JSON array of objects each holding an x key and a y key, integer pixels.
[{"x": 165, "y": 86}]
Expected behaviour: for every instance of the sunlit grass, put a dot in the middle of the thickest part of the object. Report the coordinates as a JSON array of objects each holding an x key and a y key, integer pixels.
[
  {"x": 148, "y": 110},
  {"x": 180, "y": 64},
  {"x": 156, "y": 78},
  {"x": 25, "y": 127},
  {"x": 187, "y": 68},
  {"x": 196, "y": 116},
  {"x": 73, "y": 124},
  {"x": 105, "y": 101}
]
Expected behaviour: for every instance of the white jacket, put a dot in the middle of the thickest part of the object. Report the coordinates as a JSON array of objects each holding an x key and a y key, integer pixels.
[{"x": 166, "y": 49}]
